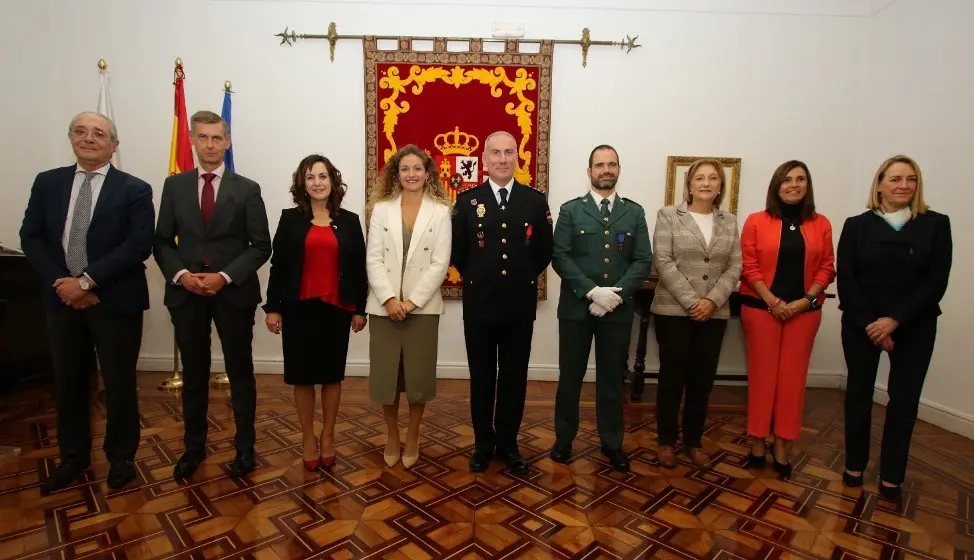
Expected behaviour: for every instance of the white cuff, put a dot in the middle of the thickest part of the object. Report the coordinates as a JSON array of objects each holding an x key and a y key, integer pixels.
[{"x": 175, "y": 279}]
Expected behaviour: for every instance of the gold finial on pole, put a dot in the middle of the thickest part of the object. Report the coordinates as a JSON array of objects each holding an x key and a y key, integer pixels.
[
  {"x": 102, "y": 65},
  {"x": 227, "y": 87},
  {"x": 586, "y": 42},
  {"x": 332, "y": 39}
]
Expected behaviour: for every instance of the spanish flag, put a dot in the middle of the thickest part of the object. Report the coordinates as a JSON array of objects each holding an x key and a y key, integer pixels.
[{"x": 181, "y": 151}]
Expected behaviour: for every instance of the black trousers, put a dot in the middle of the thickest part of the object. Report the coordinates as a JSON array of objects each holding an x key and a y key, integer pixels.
[
  {"x": 908, "y": 364},
  {"x": 75, "y": 336},
  {"x": 688, "y": 355},
  {"x": 611, "y": 355},
  {"x": 498, "y": 358},
  {"x": 235, "y": 325}
]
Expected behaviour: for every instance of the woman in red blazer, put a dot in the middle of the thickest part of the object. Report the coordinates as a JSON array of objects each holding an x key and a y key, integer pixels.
[{"x": 788, "y": 261}]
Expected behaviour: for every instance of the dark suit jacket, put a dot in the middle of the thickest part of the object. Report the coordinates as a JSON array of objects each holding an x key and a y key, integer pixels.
[
  {"x": 287, "y": 263},
  {"x": 591, "y": 252},
  {"x": 887, "y": 273},
  {"x": 237, "y": 240},
  {"x": 499, "y": 264},
  {"x": 119, "y": 237}
]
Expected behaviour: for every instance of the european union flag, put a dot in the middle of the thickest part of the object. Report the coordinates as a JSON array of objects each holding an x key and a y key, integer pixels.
[{"x": 228, "y": 157}]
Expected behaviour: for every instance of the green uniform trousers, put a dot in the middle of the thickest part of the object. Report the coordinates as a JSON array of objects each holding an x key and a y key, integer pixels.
[{"x": 611, "y": 357}]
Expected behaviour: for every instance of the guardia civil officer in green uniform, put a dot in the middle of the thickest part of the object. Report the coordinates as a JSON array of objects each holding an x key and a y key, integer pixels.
[{"x": 602, "y": 254}]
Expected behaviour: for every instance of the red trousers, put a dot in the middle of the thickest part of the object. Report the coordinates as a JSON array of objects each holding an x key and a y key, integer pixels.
[{"x": 777, "y": 366}]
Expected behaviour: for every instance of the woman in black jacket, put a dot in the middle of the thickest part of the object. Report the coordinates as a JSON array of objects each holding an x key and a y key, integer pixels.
[
  {"x": 315, "y": 294},
  {"x": 893, "y": 265}
]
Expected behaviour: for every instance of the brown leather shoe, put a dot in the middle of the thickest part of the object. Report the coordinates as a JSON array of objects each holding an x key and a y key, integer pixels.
[
  {"x": 699, "y": 457},
  {"x": 667, "y": 456}
]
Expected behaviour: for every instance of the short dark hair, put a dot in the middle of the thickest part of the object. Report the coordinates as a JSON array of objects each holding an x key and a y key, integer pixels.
[
  {"x": 207, "y": 117},
  {"x": 591, "y": 156},
  {"x": 774, "y": 203},
  {"x": 299, "y": 191}
]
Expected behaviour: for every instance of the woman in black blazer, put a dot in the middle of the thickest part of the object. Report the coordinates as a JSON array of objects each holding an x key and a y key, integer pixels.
[
  {"x": 893, "y": 265},
  {"x": 316, "y": 293}
]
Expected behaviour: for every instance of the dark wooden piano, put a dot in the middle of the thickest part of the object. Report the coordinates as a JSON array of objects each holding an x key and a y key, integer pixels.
[{"x": 24, "y": 350}]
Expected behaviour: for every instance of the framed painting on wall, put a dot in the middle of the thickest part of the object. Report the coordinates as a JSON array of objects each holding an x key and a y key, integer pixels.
[{"x": 676, "y": 170}]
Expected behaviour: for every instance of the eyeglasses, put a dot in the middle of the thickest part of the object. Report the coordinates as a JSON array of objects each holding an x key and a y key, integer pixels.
[{"x": 81, "y": 133}]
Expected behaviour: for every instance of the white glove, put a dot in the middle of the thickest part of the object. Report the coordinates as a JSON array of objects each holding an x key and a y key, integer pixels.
[
  {"x": 597, "y": 310},
  {"x": 605, "y": 296}
]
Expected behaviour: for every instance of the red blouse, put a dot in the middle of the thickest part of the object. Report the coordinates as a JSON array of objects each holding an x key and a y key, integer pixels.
[{"x": 319, "y": 275}]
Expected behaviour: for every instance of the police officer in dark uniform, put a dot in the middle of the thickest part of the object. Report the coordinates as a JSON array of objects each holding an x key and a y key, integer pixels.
[
  {"x": 602, "y": 253},
  {"x": 502, "y": 238}
]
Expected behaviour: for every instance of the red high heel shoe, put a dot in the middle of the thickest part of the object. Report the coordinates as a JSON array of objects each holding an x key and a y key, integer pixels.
[
  {"x": 311, "y": 465},
  {"x": 329, "y": 461}
]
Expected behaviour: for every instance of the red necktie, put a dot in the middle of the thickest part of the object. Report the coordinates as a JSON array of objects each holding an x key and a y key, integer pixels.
[{"x": 207, "y": 199}]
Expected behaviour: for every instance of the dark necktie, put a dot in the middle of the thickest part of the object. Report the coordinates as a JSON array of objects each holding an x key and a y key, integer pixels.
[
  {"x": 77, "y": 255},
  {"x": 207, "y": 199},
  {"x": 503, "y": 192},
  {"x": 605, "y": 209}
]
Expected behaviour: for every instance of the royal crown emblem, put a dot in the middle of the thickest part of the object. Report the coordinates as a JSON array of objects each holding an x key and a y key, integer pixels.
[{"x": 456, "y": 143}]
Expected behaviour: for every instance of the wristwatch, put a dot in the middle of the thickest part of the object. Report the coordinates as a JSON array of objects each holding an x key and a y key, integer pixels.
[
  {"x": 812, "y": 302},
  {"x": 83, "y": 282}
]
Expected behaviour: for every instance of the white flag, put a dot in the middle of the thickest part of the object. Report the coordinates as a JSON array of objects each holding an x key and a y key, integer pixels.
[{"x": 105, "y": 108}]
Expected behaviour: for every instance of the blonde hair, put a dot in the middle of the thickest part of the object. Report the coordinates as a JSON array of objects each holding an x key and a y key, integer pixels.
[
  {"x": 687, "y": 197},
  {"x": 388, "y": 187},
  {"x": 917, "y": 205}
]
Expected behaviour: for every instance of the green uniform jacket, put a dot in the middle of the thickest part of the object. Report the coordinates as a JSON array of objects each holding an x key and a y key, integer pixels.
[{"x": 590, "y": 252}]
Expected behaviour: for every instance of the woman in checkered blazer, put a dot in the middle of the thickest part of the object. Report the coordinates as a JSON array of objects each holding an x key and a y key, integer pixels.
[{"x": 698, "y": 259}]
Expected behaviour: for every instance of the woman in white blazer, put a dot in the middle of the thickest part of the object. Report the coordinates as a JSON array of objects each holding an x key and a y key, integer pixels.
[{"x": 407, "y": 257}]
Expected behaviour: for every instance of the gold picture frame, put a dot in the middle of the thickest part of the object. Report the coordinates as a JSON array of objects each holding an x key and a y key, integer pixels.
[{"x": 677, "y": 166}]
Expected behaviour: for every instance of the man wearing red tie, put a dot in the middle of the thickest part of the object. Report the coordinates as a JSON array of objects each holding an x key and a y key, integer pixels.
[{"x": 220, "y": 222}]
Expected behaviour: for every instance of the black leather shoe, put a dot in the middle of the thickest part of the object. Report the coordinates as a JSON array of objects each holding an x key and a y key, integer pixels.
[
  {"x": 618, "y": 461},
  {"x": 479, "y": 460},
  {"x": 755, "y": 461},
  {"x": 243, "y": 463},
  {"x": 515, "y": 463},
  {"x": 64, "y": 475},
  {"x": 187, "y": 464},
  {"x": 120, "y": 474},
  {"x": 891, "y": 493},
  {"x": 783, "y": 469},
  {"x": 561, "y": 454},
  {"x": 850, "y": 480}
]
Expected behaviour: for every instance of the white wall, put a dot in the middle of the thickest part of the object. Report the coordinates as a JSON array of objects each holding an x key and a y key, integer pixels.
[
  {"x": 840, "y": 84},
  {"x": 756, "y": 80},
  {"x": 917, "y": 101}
]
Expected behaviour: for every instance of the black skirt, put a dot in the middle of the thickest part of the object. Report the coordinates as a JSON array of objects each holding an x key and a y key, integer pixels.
[{"x": 315, "y": 340}]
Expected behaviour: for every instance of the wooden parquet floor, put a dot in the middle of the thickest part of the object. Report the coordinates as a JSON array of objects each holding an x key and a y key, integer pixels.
[{"x": 438, "y": 509}]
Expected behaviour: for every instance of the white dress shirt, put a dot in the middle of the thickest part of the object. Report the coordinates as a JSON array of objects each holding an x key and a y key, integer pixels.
[
  {"x": 496, "y": 188},
  {"x": 219, "y": 171},
  {"x": 599, "y": 198},
  {"x": 97, "y": 180}
]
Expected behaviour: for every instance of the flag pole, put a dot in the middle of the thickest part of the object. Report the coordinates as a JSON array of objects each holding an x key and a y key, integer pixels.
[
  {"x": 222, "y": 380},
  {"x": 177, "y": 156}
]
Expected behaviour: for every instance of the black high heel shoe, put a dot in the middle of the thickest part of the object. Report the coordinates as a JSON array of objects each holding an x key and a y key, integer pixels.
[
  {"x": 851, "y": 480},
  {"x": 783, "y": 469},
  {"x": 891, "y": 493},
  {"x": 756, "y": 461}
]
